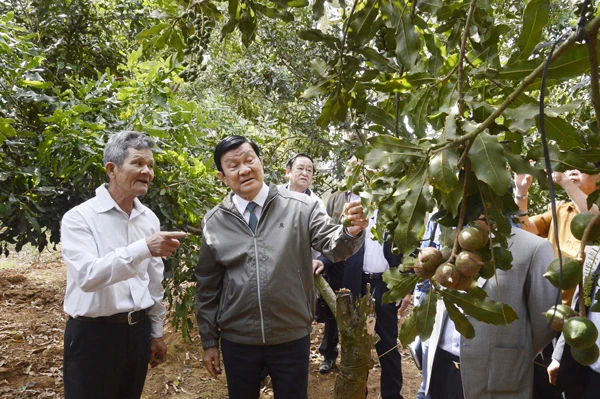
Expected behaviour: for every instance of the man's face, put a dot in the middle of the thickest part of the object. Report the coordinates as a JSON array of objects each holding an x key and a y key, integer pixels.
[
  {"x": 133, "y": 178},
  {"x": 585, "y": 182},
  {"x": 300, "y": 175},
  {"x": 242, "y": 171}
]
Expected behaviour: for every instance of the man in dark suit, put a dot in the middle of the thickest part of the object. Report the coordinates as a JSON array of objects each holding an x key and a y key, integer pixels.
[{"x": 366, "y": 266}]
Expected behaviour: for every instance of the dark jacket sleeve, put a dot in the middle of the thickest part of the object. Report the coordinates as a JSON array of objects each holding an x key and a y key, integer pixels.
[{"x": 209, "y": 283}]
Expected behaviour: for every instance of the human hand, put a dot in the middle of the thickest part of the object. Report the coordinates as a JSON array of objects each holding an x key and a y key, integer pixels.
[
  {"x": 318, "y": 266},
  {"x": 355, "y": 213},
  {"x": 164, "y": 243},
  {"x": 522, "y": 184},
  {"x": 553, "y": 371},
  {"x": 403, "y": 304},
  {"x": 212, "y": 361},
  {"x": 158, "y": 351}
]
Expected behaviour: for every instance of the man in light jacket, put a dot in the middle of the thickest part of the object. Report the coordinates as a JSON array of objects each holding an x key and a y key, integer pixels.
[{"x": 255, "y": 295}]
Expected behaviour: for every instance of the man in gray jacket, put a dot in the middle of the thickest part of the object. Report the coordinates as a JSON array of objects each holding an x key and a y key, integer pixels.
[{"x": 255, "y": 293}]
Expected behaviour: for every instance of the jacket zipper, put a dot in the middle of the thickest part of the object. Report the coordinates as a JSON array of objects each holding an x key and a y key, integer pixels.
[{"x": 260, "y": 310}]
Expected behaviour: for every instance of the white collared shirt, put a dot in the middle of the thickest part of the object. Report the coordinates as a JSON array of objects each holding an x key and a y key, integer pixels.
[
  {"x": 109, "y": 266},
  {"x": 260, "y": 200},
  {"x": 450, "y": 338},
  {"x": 374, "y": 260}
]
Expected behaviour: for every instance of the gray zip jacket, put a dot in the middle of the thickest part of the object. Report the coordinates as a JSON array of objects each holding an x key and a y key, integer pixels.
[{"x": 258, "y": 288}]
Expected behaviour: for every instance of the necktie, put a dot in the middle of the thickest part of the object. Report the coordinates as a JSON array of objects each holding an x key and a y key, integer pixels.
[{"x": 253, "y": 219}]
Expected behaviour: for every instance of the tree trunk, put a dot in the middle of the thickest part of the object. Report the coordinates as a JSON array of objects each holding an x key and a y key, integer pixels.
[{"x": 356, "y": 323}]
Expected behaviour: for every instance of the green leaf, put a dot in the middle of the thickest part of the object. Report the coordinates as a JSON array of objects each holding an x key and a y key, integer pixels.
[
  {"x": 318, "y": 9},
  {"x": 411, "y": 216},
  {"x": 573, "y": 62},
  {"x": 451, "y": 200},
  {"x": 436, "y": 60},
  {"x": 274, "y": 13},
  {"x": 419, "y": 105},
  {"x": 35, "y": 83},
  {"x": 443, "y": 170},
  {"x": 315, "y": 35},
  {"x": 151, "y": 31},
  {"x": 429, "y": 6},
  {"x": 503, "y": 258},
  {"x": 291, "y": 3},
  {"x": 489, "y": 164},
  {"x": 318, "y": 89},
  {"x": 426, "y": 315},
  {"x": 408, "y": 329},
  {"x": 520, "y": 165},
  {"x": 408, "y": 43},
  {"x": 487, "y": 311},
  {"x": 560, "y": 161},
  {"x": 399, "y": 284},
  {"x": 378, "y": 60},
  {"x": 82, "y": 108},
  {"x": 362, "y": 21},
  {"x": 566, "y": 135},
  {"x": 461, "y": 323},
  {"x": 535, "y": 18},
  {"x": 523, "y": 117},
  {"x": 6, "y": 127}
]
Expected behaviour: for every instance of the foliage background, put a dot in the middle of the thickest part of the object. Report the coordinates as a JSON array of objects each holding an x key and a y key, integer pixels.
[{"x": 417, "y": 90}]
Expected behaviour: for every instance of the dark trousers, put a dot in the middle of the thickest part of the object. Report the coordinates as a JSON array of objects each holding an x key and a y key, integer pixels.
[
  {"x": 286, "y": 363},
  {"x": 542, "y": 389},
  {"x": 329, "y": 345},
  {"x": 387, "y": 329},
  {"x": 590, "y": 388},
  {"x": 105, "y": 360},
  {"x": 445, "y": 381}
]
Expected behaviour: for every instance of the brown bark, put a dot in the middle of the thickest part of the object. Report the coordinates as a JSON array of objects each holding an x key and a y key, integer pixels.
[{"x": 356, "y": 323}]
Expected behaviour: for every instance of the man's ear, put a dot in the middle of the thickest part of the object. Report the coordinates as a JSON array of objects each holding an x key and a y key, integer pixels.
[
  {"x": 110, "y": 169},
  {"x": 221, "y": 177},
  {"x": 288, "y": 173}
]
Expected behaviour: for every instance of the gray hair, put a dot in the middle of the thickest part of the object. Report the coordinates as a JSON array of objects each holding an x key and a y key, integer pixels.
[{"x": 116, "y": 149}]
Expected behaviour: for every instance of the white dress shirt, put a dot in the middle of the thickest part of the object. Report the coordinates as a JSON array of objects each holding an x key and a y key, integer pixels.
[
  {"x": 259, "y": 200},
  {"x": 110, "y": 269}
]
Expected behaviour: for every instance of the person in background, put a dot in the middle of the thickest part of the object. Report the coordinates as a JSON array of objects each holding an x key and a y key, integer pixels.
[
  {"x": 112, "y": 246},
  {"x": 366, "y": 266},
  {"x": 255, "y": 288},
  {"x": 578, "y": 186},
  {"x": 496, "y": 363}
]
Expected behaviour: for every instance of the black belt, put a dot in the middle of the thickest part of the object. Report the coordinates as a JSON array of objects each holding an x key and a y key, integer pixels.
[
  {"x": 449, "y": 356},
  {"x": 373, "y": 276},
  {"x": 130, "y": 318}
]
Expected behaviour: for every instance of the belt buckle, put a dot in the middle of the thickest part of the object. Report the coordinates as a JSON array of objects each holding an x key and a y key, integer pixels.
[
  {"x": 456, "y": 364},
  {"x": 130, "y": 320}
]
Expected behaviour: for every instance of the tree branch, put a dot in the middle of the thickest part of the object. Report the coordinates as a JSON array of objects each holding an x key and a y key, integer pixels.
[
  {"x": 591, "y": 29},
  {"x": 461, "y": 58},
  {"x": 592, "y": 42}
]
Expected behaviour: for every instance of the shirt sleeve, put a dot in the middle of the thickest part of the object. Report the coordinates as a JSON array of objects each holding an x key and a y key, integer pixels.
[
  {"x": 157, "y": 312},
  {"x": 542, "y": 222},
  {"x": 90, "y": 271}
]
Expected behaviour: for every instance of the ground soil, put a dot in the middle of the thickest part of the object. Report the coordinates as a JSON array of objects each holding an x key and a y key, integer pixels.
[{"x": 31, "y": 333}]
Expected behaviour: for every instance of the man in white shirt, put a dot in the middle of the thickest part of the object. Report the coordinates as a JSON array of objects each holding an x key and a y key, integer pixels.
[{"x": 112, "y": 246}]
